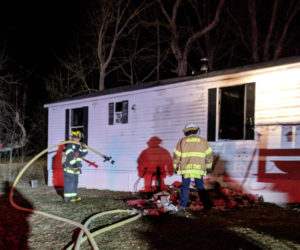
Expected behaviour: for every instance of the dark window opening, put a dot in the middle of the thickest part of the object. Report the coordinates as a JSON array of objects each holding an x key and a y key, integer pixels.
[
  {"x": 236, "y": 109},
  {"x": 119, "y": 106},
  {"x": 232, "y": 113},
  {"x": 77, "y": 119}
]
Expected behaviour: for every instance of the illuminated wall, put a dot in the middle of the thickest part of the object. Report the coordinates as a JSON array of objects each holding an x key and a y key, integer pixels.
[
  {"x": 269, "y": 165},
  {"x": 162, "y": 112}
]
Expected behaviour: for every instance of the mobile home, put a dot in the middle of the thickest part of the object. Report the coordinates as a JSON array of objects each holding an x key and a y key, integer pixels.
[{"x": 250, "y": 115}]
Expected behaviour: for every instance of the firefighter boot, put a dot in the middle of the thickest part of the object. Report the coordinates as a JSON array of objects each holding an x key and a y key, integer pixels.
[
  {"x": 75, "y": 199},
  {"x": 204, "y": 198}
]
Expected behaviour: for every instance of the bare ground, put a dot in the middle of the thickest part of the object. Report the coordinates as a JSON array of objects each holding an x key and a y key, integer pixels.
[{"x": 258, "y": 226}]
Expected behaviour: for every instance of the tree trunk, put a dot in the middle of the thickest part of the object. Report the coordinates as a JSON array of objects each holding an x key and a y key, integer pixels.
[
  {"x": 101, "y": 79},
  {"x": 254, "y": 32},
  {"x": 266, "y": 55},
  {"x": 182, "y": 67}
]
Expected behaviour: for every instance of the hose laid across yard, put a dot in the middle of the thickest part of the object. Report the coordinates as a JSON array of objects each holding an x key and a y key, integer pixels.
[
  {"x": 82, "y": 227},
  {"x": 81, "y": 239}
]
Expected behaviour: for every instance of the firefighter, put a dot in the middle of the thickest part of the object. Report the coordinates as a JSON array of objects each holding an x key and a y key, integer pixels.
[
  {"x": 72, "y": 166},
  {"x": 191, "y": 159}
]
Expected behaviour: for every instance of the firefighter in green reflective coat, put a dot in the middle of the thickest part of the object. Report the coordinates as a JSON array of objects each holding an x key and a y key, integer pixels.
[
  {"x": 73, "y": 154},
  {"x": 191, "y": 159}
]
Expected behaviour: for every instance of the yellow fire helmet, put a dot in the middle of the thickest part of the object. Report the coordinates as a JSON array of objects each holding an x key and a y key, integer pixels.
[
  {"x": 77, "y": 134},
  {"x": 190, "y": 127}
]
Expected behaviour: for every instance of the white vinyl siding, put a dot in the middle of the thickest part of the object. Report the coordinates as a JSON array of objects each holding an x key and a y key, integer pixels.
[{"x": 163, "y": 111}]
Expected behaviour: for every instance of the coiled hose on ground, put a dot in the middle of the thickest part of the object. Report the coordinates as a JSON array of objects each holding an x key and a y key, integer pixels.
[{"x": 83, "y": 228}]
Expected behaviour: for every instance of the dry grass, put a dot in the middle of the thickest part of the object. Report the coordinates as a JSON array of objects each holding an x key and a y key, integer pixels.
[
  {"x": 262, "y": 226},
  {"x": 37, "y": 171}
]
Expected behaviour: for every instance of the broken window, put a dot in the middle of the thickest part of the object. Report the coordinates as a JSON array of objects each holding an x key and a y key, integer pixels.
[
  {"x": 77, "y": 119},
  {"x": 231, "y": 112},
  {"x": 118, "y": 112}
]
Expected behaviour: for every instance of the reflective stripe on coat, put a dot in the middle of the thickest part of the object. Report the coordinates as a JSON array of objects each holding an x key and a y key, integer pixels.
[{"x": 192, "y": 156}]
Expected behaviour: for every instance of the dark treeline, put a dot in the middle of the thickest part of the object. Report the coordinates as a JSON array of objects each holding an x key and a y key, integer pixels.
[
  {"x": 98, "y": 44},
  {"x": 127, "y": 42}
]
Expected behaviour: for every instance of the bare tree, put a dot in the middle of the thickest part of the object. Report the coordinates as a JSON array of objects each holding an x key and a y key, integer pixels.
[
  {"x": 13, "y": 134},
  {"x": 215, "y": 45},
  {"x": 95, "y": 54},
  {"x": 143, "y": 55},
  {"x": 132, "y": 59},
  {"x": 12, "y": 130},
  {"x": 111, "y": 21},
  {"x": 293, "y": 10},
  {"x": 181, "y": 47},
  {"x": 269, "y": 24},
  {"x": 75, "y": 75}
]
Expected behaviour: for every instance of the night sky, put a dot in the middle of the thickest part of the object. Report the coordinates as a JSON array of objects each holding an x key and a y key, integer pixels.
[{"x": 34, "y": 31}]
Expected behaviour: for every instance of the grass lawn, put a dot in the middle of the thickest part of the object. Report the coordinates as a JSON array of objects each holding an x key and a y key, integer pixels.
[{"x": 261, "y": 226}]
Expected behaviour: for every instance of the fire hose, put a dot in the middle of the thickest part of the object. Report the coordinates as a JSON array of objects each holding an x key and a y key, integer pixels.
[{"x": 83, "y": 228}]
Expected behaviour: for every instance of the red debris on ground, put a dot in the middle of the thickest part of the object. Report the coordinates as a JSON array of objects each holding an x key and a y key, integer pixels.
[
  {"x": 176, "y": 184},
  {"x": 136, "y": 202},
  {"x": 168, "y": 200}
]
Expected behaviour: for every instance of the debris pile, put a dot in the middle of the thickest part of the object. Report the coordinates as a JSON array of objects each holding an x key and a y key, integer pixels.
[{"x": 168, "y": 200}]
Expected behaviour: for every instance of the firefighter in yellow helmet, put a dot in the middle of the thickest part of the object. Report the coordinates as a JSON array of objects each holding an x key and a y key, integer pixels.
[
  {"x": 191, "y": 159},
  {"x": 72, "y": 166}
]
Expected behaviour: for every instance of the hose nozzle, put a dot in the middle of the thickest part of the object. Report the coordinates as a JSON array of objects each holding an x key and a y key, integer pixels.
[{"x": 108, "y": 158}]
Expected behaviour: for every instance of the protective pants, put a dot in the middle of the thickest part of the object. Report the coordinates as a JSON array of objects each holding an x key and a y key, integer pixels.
[
  {"x": 203, "y": 195},
  {"x": 70, "y": 186}
]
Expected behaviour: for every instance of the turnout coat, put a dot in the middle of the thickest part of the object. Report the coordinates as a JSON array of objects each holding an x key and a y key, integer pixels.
[{"x": 192, "y": 156}]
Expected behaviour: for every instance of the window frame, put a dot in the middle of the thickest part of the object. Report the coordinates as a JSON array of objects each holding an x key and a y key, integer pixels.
[
  {"x": 214, "y": 112},
  {"x": 112, "y": 113},
  {"x": 70, "y": 127}
]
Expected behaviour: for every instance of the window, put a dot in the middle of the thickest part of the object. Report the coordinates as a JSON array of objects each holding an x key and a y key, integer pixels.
[
  {"x": 77, "y": 119},
  {"x": 118, "y": 112},
  {"x": 231, "y": 112}
]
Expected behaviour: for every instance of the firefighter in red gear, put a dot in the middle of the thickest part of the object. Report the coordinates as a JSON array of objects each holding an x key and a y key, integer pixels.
[
  {"x": 191, "y": 159},
  {"x": 154, "y": 164},
  {"x": 72, "y": 166}
]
